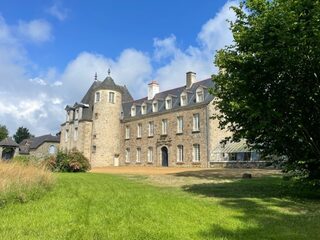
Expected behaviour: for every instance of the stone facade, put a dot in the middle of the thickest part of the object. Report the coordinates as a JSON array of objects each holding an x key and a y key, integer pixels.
[
  {"x": 44, "y": 150},
  {"x": 112, "y": 129}
]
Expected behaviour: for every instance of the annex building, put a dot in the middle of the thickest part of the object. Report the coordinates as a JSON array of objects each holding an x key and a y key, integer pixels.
[{"x": 170, "y": 128}]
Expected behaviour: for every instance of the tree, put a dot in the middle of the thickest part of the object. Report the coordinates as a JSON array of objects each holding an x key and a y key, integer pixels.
[
  {"x": 3, "y": 132},
  {"x": 21, "y": 134},
  {"x": 268, "y": 87}
]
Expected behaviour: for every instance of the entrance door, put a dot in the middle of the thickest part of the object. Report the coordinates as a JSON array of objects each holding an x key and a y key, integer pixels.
[
  {"x": 116, "y": 161},
  {"x": 164, "y": 153}
]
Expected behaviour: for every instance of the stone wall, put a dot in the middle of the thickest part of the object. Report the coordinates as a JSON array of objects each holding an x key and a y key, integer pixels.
[
  {"x": 171, "y": 140},
  {"x": 106, "y": 130},
  {"x": 43, "y": 150}
]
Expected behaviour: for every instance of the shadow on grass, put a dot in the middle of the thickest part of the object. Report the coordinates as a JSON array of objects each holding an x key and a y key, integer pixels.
[{"x": 267, "y": 207}]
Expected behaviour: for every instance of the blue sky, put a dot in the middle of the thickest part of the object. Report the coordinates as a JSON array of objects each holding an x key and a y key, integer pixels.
[{"x": 51, "y": 49}]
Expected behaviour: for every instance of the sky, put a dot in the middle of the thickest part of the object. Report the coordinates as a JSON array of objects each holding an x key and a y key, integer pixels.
[{"x": 51, "y": 49}]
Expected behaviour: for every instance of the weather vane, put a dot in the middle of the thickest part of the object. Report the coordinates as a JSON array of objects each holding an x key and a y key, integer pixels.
[
  {"x": 96, "y": 76},
  {"x": 109, "y": 71}
]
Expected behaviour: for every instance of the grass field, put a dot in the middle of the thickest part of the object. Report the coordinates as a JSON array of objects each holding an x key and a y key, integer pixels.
[{"x": 102, "y": 206}]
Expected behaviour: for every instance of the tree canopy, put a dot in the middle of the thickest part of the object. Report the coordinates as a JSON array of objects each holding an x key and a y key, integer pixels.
[
  {"x": 21, "y": 134},
  {"x": 3, "y": 132},
  {"x": 268, "y": 88}
]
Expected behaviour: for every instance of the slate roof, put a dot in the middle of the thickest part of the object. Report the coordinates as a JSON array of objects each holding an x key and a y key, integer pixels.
[
  {"x": 88, "y": 99},
  {"x": 33, "y": 143},
  {"x": 8, "y": 142},
  {"x": 175, "y": 94}
]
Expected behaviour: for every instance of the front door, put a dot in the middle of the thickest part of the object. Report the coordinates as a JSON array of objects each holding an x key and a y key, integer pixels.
[{"x": 164, "y": 153}]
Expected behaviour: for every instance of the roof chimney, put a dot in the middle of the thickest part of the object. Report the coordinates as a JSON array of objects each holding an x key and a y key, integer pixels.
[
  {"x": 190, "y": 79},
  {"x": 153, "y": 89}
]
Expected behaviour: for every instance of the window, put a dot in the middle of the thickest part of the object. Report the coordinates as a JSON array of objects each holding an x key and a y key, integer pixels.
[
  {"x": 138, "y": 159},
  {"x": 143, "y": 109},
  {"x": 168, "y": 102},
  {"x": 52, "y": 149},
  {"x": 75, "y": 134},
  {"x": 196, "y": 123},
  {"x": 164, "y": 129},
  {"x": 128, "y": 155},
  {"x": 94, "y": 136},
  {"x": 247, "y": 156},
  {"x": 179, "y": 124},
  {"x": 155, "y": 106},
  {"x": 96, "y": 115},
  {"x": 97, "y": 97},
  {"x": 199, "y": 95},
  {"x": 183, "y": 99},
  {"x": 150, "y": 154},
  {"x": 68, "y": 116},
  {"x": 150, "y": 129},
  {"x": 180, "y": 153},
  {"x": 111, "y": 97},
  {"x": 127, "y": 132},
  {"x": 232, "y": 156},
  {"x": 196, "y": 152},
  {"x": 133, "y": 111},
  {"x": 66, "y": 135},
  {"x": 76, "y": 116},
  {"x": 139, "y": 130},
  {"x": 94, "y": 148}
]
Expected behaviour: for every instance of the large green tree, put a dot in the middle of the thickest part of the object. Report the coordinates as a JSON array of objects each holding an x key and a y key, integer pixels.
[
  {"x": 21, "y": 134},
  {"x": 268, "y": 87},
  {"x": 3, "y": 132}
]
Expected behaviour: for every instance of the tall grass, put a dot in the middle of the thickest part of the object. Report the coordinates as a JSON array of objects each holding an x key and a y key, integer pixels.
[{"x": 21, "y": 183}]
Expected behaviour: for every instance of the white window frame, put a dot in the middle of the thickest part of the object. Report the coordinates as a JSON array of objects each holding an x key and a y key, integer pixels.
[
  {"x": 139, "y": 130},
  {"x": 150, "y": 154},
  {"x": 138, "y": 155},
  {"x": 97, "y": 97},
  {"x": 184, "y": 99},
  {"x": 143, "y": 109},
  {"x": 196, "y": 153},
  {"x": 52, "y": 149},
  {"x": 127, "y": 155},
  {"x": 199, "y": 93},
  {"x": 179, "y": 124},
  {"x": 168, "y": 102},
  {"x": 180, "y": 153},
  {"x": 164, "y": 127},
  {"x": 111, "y": 97},
  {"x": 155, "y": 106},
  {"x": 133, "y": 111},
  {"x": 196, "y": 122},
  {"x": 150, "y": 129},
  {"x": 127, "y": 133}
]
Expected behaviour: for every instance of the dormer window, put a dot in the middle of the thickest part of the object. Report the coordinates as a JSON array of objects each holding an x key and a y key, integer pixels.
[
  {"x": 184, "y": 99},
  {"x": 199, "y": 95},
  {"x": 143, "y": 108},
  {"x": 155, "y": 106},
  {"x": 133, "y": 111},
  {"x": 68, "y": 116},
  {"x": 97, "y": 97},
  {"x": 168, "y": 102}
]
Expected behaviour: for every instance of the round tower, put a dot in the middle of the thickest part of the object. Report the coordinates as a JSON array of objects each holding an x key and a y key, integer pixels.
[{"x": 106, "y": 129}]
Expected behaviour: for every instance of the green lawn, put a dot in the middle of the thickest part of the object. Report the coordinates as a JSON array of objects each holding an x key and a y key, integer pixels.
[{"x": 101, "y": 206}]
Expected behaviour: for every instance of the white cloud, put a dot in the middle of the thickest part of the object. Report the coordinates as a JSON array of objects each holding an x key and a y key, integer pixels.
[
  {"x": 38, "y": 81},
  {"x": 37, "y": 30},
  {"x": 56, "y": 84},
  {"x": 58, "y": 11}
]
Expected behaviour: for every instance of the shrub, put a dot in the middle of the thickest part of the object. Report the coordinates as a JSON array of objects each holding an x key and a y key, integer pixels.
[
  {"x": 21, "y": 182},
  {"x": 73, "y": 161}
]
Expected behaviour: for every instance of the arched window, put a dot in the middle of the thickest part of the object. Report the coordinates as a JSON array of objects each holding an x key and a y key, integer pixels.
[
  {"x": 168, "y": 102},
  {"x": 143, "y": 108},
  {"x": 155, "y": 106},
  {"x": 52, "y": 150},
  {"x": 133, "y": 111},
  {"x": 199, "y": 95},
  {"x": 183, "y": 99}
]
